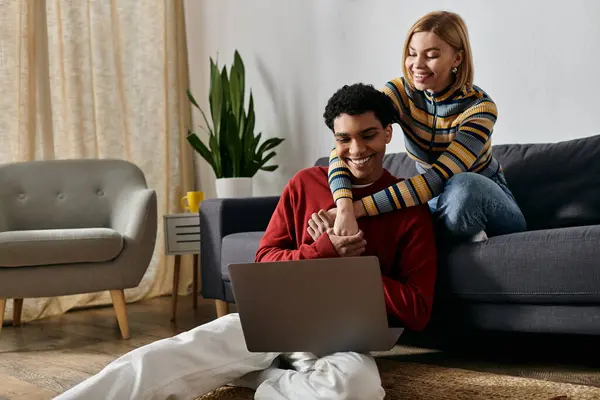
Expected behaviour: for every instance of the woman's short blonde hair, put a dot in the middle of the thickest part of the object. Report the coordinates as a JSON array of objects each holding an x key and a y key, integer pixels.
[{"x": 451, "y": 28}]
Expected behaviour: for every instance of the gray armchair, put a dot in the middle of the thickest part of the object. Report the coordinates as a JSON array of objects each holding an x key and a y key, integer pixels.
[{"x": 74, "y": 226}]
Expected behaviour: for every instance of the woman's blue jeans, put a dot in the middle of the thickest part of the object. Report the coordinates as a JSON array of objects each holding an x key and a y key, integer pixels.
[{"x": 471, "y": 203}]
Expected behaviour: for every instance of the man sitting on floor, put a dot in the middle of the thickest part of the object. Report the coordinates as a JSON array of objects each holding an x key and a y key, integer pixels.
[{"x": 212, "y": 355}]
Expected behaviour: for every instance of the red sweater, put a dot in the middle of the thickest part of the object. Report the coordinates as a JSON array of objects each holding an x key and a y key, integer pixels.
[{"x": 402, "y": 240}]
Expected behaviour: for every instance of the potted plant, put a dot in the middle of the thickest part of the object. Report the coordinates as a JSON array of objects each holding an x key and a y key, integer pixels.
[{"x": 234, "y": 152}]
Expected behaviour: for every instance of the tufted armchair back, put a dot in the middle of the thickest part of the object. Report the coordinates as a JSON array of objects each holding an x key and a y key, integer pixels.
[{"x": 65, "y": 194}]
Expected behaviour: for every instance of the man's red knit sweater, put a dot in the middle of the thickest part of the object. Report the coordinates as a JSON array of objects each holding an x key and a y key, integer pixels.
[{"x": 403, "y": 241}]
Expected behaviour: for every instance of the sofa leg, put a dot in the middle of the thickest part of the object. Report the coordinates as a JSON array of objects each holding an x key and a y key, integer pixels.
[
  {"x": 2, "y": 308},
  {"x": 222, "y": 308},
  {"x": 17, "y": 310},
  {"x": 118, "y": 300}
]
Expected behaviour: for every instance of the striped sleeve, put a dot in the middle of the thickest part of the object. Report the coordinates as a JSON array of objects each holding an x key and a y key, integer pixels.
[
  {"x": 339, "y": 177},
  {"x": 338, "y": 174},
  {"x": 471, "y": 141},
  {"x": 394, "y": 89}
]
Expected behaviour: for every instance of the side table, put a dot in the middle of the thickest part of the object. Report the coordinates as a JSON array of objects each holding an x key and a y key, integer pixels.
[{"x": 182, "y": 236}]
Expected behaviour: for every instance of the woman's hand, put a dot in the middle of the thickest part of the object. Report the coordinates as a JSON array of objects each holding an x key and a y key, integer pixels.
[
  {"x": 342, "y": 219},
  {"x": 345, "y": 220},
  {"x": 345, "y": 223},
  {"x": 320, "y": 222}
]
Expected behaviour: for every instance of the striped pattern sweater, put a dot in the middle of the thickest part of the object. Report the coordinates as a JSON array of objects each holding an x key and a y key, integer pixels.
[{"x": 445, "y": 133}]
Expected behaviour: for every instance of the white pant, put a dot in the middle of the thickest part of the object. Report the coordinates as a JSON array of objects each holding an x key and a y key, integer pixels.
[{"x": 212, "y": 355}]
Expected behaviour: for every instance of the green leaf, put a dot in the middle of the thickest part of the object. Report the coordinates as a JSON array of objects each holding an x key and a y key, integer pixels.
[
  {"x": 234, "y": 93},
  {"x": 252, "y": 162},
  {"x": 249, "y": 141},
  {"x": 251, "y": 119},
  {"x": 234, "y": 144},
  {"x": 226, "y": 92},
  {"x": 252, "y": 168},
  {"x": 227, "y": 168},
  {"x": 216, "y": 97},
  {"x": 214, "y": 148},
  {"x": 270, "y": 168},
  {"x": 254, "y": 145},
  {"x": 267, "y": 158},
  {"x": 211, "y": 86},
  {"x": 193, "y": 100},
  {"x": 269, "y": 144},
  {"x": 241, "y": 73},
  {"x": 201, "y": 148}
]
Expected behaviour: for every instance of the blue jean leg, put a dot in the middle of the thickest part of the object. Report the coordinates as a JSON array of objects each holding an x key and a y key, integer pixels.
[{"x": 471, "y": 203}]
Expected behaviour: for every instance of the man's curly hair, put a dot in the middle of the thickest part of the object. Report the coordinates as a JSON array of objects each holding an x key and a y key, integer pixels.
[{"x": 359, "y": 98}]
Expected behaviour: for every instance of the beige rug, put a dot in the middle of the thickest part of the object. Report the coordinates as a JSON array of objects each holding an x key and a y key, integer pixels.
[{"x": 403, "y": 381}]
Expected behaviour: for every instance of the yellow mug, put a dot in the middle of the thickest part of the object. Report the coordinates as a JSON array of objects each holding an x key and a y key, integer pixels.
[{"x": 191, "y": 201}]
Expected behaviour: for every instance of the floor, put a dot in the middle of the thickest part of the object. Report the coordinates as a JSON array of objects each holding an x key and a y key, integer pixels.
[{"x": 43, "y": 358}]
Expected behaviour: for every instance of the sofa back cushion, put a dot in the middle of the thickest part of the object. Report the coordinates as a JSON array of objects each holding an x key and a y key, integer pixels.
[{"x": 555, "y": 184}]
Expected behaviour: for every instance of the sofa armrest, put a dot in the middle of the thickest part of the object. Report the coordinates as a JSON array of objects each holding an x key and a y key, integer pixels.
[{"x": 222, "y": 217}]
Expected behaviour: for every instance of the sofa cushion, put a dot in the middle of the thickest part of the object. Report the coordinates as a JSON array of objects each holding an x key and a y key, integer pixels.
[
  {"x": 238, "y": 248},
  {"x": 557, "y": 266},
  {"x": 556, "y": 184},
  {"x": 58, "y": 246}
]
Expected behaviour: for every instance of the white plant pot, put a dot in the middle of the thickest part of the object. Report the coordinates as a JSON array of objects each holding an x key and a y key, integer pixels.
[{"x": 234, "y": 187}]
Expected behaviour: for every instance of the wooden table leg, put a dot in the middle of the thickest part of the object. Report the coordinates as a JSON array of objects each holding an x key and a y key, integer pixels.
[
  {"x": 176, "y": 270},
  {"x": 195, "y": 282}
]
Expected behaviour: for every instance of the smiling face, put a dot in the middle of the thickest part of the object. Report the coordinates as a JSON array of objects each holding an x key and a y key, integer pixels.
[
  {"x": 360, "y": 141},
  {"x": 430, "y": 61}
]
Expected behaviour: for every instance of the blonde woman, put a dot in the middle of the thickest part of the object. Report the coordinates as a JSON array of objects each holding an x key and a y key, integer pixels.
[{"x": 447, "y": 124}]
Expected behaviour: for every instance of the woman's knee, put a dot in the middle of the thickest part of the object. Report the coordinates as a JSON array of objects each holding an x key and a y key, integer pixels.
[
  {"x": 461, "y": 206},
  {"x": 467, "y": 187}
]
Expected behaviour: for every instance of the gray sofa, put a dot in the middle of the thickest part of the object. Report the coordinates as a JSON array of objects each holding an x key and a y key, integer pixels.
[
  {"x": 74, "y": 226},
  {"x": 544, "y": 280}
]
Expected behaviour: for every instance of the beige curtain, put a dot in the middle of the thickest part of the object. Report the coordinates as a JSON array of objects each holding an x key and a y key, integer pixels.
[{"x": 99, "y": 79}]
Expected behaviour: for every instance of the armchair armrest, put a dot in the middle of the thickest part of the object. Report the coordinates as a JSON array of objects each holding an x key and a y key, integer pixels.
[
  {"x": 3, "y": 222},
  {"x": 132, "y": 212},
  {"x": 134, "y": 216},
  {"x": 222, "y": 217}
]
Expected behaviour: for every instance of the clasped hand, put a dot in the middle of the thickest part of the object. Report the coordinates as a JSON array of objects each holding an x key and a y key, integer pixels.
[{"x": 342, "y": 230}]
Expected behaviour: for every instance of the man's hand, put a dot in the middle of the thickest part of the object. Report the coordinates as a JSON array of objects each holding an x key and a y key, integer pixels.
[
  {"x": 319, "y": 223},
  {"x": 348, "y": 246}
]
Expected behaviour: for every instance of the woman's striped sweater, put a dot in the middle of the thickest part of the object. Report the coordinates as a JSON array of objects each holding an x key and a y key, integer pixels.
[{"x": 445, "y": 133}]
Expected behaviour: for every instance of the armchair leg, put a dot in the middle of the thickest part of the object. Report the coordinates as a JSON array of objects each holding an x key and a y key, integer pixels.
[
  {"x": 222, "y": 308},
  {"x": 118, "y": 300},
  {"x": 17, "y": 310},
  {"x": 2, "y": 308}
]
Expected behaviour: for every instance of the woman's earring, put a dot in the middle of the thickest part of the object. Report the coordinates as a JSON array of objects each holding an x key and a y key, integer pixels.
[{"x": 455, "y": 70}]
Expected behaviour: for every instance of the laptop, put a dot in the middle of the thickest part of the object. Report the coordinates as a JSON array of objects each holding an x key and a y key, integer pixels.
[{"x": 320, "y": 306}]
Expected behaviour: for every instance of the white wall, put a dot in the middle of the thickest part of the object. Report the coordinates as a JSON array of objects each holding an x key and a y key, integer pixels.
[{"x": 537, "y": 59}]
